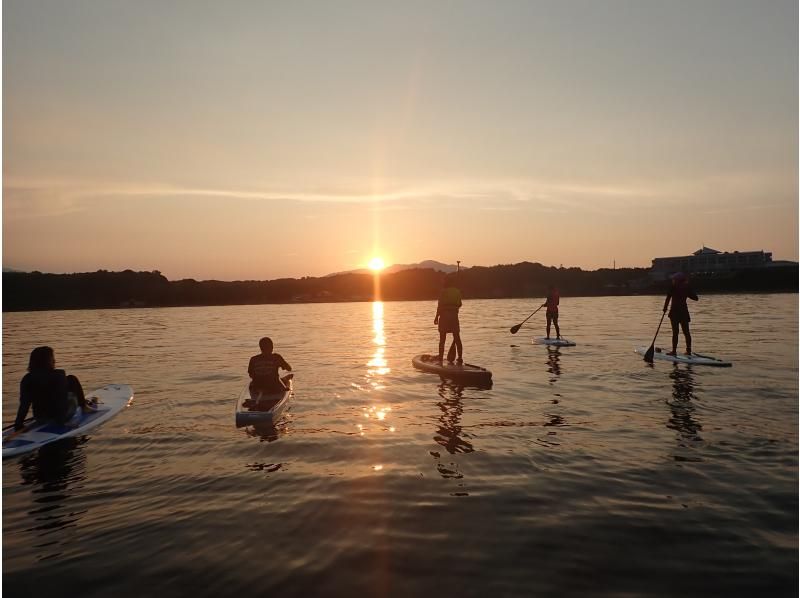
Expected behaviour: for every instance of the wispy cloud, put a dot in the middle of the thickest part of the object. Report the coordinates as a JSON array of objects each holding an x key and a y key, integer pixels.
[
  {"x": 36, "y": 202},
  {"x": 24, "y": 198}
]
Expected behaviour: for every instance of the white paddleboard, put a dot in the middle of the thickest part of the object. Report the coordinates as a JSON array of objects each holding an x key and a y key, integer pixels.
[
  {"x": 693, "y": 359},
  {"x": 256, "y": 407},
  {"x": 111, "y": 400},
  {"x": 554, "y": 342}
]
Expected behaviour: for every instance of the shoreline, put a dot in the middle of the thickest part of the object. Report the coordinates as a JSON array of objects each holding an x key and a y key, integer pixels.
[
  {"x": 373, "y": 300},
  {"x": 526, "y": 280}
]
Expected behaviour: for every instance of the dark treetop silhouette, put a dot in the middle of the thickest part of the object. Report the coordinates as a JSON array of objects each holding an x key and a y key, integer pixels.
[{"x": 25, "y": 291}]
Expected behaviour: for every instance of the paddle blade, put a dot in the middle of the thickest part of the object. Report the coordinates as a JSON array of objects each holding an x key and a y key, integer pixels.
[
  {"x": 648, "y": 356},
  {"x": 515, "y": 329},
  {"x": 451, "y": 354}
]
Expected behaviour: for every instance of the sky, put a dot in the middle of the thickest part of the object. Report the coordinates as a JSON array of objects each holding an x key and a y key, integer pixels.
[{"x": 263, "y": 139}]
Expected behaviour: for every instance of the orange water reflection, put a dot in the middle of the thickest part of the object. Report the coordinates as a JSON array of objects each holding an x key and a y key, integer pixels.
[{"x": 378, "y": 366}]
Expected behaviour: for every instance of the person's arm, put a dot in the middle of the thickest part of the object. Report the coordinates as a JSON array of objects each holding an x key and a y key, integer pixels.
[
  {"x": 284, "y": 364},
  {"x": 666, "y": 301},
  {"x": 692, "y": 295},
  {"x": 24, "y": 405}
]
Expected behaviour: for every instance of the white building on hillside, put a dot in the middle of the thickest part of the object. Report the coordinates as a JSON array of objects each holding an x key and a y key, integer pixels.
[{"x": 709, "y": 261}]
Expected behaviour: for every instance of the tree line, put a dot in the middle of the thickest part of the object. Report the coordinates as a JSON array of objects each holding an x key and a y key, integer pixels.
[{"x": 28, "y": 291}]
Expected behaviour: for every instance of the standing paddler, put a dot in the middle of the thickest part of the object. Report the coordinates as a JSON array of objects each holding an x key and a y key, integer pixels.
[
  {"x": 447, "y": 318},
  {"x": 552, "y": 310},
  {"x": 678, "y": 292}
]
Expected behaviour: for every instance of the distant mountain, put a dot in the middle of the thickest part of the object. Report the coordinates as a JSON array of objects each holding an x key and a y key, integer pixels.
[
  {"x": 11, "y": 270},
  {"x": 432, "y": 264}
]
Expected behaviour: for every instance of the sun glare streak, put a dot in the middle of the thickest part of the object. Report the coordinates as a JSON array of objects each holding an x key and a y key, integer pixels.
[
  {"x": 378, "y": 364},
  {"x": 377, "y": 323},
  {"x": 376, "y": 415}
]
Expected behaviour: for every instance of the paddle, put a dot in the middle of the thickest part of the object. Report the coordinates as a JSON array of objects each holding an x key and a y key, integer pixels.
[
  {"x": 451, "y": 354},
  {"x": 648, "y": 356},
  {"x": 515, "y": 329}
]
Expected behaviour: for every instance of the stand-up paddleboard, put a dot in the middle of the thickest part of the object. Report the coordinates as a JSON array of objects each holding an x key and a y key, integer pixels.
[
  {"x": 554, "y": 342},
  {"x": 693, "y": 359},
  {"x": 452, "y": 371},
  {"x": 257, "y": 407},
  {"x": 111, "y": 400}
]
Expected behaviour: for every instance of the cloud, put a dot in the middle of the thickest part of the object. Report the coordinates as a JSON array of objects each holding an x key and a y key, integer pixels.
[
  {"x": 32, "y": 202},
  {"x": 40, "y": 198}
]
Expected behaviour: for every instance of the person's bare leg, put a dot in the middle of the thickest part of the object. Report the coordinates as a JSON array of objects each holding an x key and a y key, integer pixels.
[
  {"x": 74, "y": 386},
  {"x": 442, "y": 340},
  {"x": 459, "y": 346},
  {"x": 674, "y": 336},
  {"x": 688, "y": 336}
]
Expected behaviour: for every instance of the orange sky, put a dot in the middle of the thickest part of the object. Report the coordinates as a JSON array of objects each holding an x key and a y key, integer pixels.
[{"x": 254, "y": 141}]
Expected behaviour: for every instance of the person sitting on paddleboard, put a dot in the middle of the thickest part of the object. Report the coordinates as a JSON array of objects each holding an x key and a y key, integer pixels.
[
  {"x": 679, "y": 291},
  {"x": 263, "y": 368},
  {"x": 552, "y": 310},
  {"x": 447, "y": 317},
  {"x": 53, "y": 395}
]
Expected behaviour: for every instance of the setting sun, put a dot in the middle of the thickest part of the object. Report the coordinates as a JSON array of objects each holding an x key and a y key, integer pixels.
[{"x": 376, "y": 264}]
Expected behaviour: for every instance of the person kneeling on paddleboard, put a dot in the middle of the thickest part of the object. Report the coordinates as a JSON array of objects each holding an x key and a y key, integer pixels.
[
  {"x": 53, "y": 395},
  {"x": 552, "y": 310},
  {"x": 679, "y": 291},
  {"x": 447, "y": 318},
  {"x": 263, "y": 368}
]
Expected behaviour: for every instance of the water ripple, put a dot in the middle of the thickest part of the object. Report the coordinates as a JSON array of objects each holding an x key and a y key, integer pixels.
[{"x": 582, "y": 470}]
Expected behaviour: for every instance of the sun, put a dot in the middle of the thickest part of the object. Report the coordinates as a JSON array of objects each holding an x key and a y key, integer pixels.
[{"x": 376, "y": 264}]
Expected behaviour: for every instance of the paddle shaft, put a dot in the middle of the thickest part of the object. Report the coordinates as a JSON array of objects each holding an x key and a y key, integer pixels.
[
  {"x": 648, "y": 356},
  {"x": 659, "y": 328},
  {"x": 518, "y": 326}
]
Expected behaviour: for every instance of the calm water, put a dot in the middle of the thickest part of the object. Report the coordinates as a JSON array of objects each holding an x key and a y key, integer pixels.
[{"x": 582, "y": 470}]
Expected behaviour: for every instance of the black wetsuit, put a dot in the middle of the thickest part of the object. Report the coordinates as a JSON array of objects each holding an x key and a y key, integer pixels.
[
  {"x": 45, "y": 390},
  {"x": 679, "y": 312}
]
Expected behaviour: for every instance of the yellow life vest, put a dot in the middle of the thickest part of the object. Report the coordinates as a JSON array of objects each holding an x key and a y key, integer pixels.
[{"x": 450, "y": 298}]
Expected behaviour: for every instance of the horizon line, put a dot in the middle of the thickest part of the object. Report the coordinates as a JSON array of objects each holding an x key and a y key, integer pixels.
[{"x": 365, "y": 271}]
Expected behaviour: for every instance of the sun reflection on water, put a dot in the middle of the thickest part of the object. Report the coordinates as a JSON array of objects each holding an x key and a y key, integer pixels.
[
  {"x": 378, "y": 364},
  {"x": 377, "y": 367}
]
